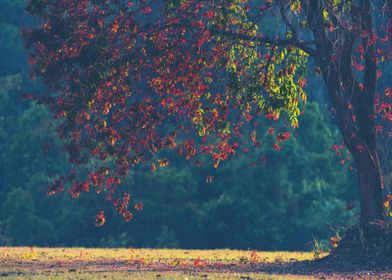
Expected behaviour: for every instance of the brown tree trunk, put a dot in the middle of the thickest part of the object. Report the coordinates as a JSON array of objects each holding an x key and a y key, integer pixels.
[
  {"x": 354, "y": 105},
  {"x": 359, "y": 137},
  {"x": 369, "y": 177}
]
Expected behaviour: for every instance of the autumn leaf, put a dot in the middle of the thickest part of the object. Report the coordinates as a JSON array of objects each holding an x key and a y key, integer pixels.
[{"x": 100, "y": 219}]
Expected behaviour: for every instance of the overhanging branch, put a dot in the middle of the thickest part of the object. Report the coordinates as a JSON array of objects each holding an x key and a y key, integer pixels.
[{"x": 303, "y": 45}]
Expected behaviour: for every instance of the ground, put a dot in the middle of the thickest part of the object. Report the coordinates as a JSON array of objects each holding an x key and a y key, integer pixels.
[{"x": 81, "y": 263}]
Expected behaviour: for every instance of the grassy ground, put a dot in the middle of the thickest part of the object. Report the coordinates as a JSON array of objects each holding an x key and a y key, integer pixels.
[{"x": 81, "y": 263}]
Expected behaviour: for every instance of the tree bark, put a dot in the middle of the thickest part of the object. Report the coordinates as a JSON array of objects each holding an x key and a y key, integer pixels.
[
  {"x": 353, "y": 104},
  {"x": 359, "y": 137},
  {"x": 369, "y": 177}
]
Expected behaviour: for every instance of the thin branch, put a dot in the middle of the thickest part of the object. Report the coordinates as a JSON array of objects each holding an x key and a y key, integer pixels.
[
  {"x": 287, "y": 21},
  {"x": 303, "y": 45}
]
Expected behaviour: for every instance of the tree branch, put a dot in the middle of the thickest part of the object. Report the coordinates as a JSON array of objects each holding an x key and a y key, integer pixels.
[
  {"x": 287, "y": 21},
  {"x": 303, "y": 45}
]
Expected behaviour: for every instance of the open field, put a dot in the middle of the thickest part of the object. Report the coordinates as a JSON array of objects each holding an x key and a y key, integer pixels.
[{"x": 81, "y": 263}]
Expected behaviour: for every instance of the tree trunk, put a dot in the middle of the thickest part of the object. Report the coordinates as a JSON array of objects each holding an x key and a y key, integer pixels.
[
  {"x": 354, "y": 104},
  {"x": 369, "y": 178},
  {"x": 370, "y": 240},
  {"x": 359, "y": 137}
]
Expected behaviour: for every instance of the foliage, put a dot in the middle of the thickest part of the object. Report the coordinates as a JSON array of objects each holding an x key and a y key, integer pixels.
[
  {"x": 134, "y": 78},
  {"x": 113, "y": 111},
  {"x": 277, "y": 191}
]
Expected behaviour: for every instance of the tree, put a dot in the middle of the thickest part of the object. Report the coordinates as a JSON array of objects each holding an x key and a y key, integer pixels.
[
  {"x": 180, "y": 208},
  {"x": 19, "y": 206},
  {"x": 133, "y": 78}
]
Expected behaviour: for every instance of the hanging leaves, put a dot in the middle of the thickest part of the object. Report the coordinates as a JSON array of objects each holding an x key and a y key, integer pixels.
[{"x": 132, "y": 79}]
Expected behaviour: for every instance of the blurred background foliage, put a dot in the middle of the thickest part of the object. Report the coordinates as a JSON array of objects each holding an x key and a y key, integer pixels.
[{"x": 262, "y": 199}]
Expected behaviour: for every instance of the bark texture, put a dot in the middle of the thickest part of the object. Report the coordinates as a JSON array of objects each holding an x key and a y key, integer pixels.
[{"x": 353, "y": 102}]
